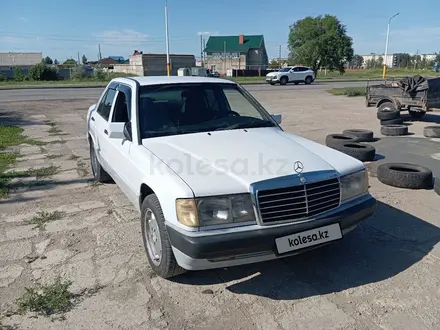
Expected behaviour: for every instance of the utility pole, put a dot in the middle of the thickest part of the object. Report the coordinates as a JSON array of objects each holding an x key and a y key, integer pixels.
[
  {"x": 201, "y": 50},
  {"x": 99, "y": 53},
  {"x": 79, "y": 63},
  {"x": 204, "y": 46},
  {"x": 279, "y": 55},
  {"x": 416, "y": 58},
  {"x": 224, "y": 54},
  {"x": 167, "y": 39},
  {"x": 386, "y": 47}
]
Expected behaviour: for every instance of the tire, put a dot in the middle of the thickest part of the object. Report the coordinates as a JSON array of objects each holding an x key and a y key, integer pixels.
[
  {"x": 363, "y": 135},
  {"x": 99, "y": 174},
  {"x": 166, "y": 266},
  {"x": 362, "y": 152},
  {"x": 284, "y": 80},
  {"x": 394, "y": 130},
  {"x": 387, "y": 111},
  {"x": 404, "y": 175},
  {"x": 432, "y": 131},
  {"x": 272, "y": 83},
  {"x": 416, "y": 114},
  {"x": 337, "y": 139},
  {"x": 396, "y": 121},
  {"x": 308, "y": 80},
  {"x": 437, "y": 185}
]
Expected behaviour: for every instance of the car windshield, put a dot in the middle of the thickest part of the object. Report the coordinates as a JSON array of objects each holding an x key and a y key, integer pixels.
[
  {"x": 192, "y": 108},
  {"x": 284, "y": 70}
]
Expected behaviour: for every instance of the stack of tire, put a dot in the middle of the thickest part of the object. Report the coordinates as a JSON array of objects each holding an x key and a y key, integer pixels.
[
  {"x": 390, "y": 120},
  {"x": 350, "y": 143}
]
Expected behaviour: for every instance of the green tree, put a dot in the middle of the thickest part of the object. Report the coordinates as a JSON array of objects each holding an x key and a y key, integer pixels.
[
  {"x": 320, "y": 41},
  {"x": 274, "y": 64},
  {"x": 19, "y": 75},
  {"x": 70, "y": 61},
  {"x": 357, "y": 61},
  {"x": 42, "y": 72},
  {"x": 84, "y": 59},
  {"x": 47, "y": 60},
  {"x": 55, "y": 61}
]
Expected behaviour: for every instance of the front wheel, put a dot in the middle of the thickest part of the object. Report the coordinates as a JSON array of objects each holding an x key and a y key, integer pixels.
[
  {"x": 156, "y": 241},
  {"x": 99, "y": 174},
  {"x": 284, "y": 80}
]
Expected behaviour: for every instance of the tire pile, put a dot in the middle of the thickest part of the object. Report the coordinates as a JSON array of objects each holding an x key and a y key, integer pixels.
[
  {"x": 390, "y": 120},
  {"x": 350, "y": 143}
]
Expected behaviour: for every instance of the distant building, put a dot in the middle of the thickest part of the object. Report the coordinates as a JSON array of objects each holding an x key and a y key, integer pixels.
[
  {"x": 236, "y": 52},
  {"x": 9, "y": 61},
  {"x": 392, "y": 59},
  {"x": 141, "y": 64}
]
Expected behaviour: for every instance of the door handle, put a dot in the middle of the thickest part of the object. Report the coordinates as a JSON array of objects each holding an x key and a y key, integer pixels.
[
  {"x": 92, "y": 118},
  {"x": 105, "y": 132}
]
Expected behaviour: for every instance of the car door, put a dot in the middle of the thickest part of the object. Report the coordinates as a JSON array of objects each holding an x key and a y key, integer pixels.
[
  {"x": 119, "y": 148},
  {"x": 101, "y": 128}
]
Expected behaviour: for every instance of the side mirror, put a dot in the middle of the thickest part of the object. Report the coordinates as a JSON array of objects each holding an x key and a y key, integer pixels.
[
  {"x": 116, "y": 130},
  {"x": 277, "y": 118},
  {"x": 127, "y": 131}
]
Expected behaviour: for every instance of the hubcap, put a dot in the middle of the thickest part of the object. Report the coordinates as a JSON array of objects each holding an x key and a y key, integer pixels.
[{"x": 152, "y": 234}]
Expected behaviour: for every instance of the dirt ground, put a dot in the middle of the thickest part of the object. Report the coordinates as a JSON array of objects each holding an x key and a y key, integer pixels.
[{"x": 384, "y": 275}]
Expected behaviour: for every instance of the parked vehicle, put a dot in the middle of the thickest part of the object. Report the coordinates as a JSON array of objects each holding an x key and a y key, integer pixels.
[
  {"x": 216, "y": 180},
  {"x": 294, "y": 74},
  {"x": 416, "y": 94}
]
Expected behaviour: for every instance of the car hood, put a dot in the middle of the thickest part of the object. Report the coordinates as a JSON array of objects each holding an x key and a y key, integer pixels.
[
  {"x": 272, "y": 74},
  {"x": 226, "y": 162}
]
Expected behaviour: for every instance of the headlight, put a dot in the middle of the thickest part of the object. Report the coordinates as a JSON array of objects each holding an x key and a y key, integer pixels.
[
  {"x": 208, "y": 211},
  {"x": 353, "y": 185}
]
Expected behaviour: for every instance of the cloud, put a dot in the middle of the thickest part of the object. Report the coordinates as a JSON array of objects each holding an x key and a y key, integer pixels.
[
  {"x": 207, "y": 33},
  {"x": 23, "y": 19}
]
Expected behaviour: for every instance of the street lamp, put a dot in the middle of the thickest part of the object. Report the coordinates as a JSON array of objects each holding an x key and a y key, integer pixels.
[
  {"x": 386, "y": 47},
  {"x": 167, "y": 39}
]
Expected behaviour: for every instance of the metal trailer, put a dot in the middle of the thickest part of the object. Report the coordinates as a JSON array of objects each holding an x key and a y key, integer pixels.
[{"x": 417, "y": 99}]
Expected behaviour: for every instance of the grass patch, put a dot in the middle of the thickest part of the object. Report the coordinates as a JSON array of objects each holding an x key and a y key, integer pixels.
[
  {"x": 43, "y": 217},
  {"x": 11, "y": 136},
  {"x": 348, "y": 91},
  {"x": 47, "y": 299}
]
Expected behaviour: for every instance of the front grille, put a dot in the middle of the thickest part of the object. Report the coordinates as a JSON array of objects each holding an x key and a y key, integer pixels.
[{"x": 298, "y": 202}]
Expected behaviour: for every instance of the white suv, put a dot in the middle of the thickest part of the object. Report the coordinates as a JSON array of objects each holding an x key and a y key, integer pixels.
[
  {"x": 291, "y": 74},
  {"x": 216, "y": 180}
]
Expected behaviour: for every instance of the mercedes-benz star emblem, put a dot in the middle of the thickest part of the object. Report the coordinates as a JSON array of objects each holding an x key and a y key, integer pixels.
[{"x": 298, "y": 167}]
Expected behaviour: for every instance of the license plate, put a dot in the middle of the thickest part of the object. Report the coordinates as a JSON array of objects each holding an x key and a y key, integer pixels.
[{"x": 308, "y": 238}]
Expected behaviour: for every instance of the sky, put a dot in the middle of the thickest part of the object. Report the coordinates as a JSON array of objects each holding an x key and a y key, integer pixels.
[{"x": 62, "y": 29}]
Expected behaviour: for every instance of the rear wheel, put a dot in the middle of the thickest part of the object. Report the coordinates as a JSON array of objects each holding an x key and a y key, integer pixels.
[
  {"x": 308, "y": 80},
  {"x": 99, "y": 174}
]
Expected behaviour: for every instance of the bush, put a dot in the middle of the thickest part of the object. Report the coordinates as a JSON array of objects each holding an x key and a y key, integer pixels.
[
  {"x": 42, "y": 72},
  {"x": 3, "y": 78},
  {"x": 19, "y": 75},
  {"x": 78, "y": 72},
  {"x": 99, "y": 74}
]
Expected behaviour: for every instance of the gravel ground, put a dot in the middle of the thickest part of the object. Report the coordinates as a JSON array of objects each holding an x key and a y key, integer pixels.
[{"x": 384, "y": 275}]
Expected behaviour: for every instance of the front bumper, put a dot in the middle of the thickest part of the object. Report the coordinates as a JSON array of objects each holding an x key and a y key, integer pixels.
[
  {"x": 262, "y": 240},
  {"x": 272, "y": 79}
]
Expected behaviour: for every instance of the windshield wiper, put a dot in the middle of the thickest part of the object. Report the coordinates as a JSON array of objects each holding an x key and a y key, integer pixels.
[{"x": 252, "y": 124}]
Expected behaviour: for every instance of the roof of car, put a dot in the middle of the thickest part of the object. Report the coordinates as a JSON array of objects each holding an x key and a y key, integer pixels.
[{"x": 162, "y": 80}]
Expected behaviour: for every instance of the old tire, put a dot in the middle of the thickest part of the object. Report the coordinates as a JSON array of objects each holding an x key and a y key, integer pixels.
[
  {"x": 432, "y": 131},
  {"x": 387, "y": 111},
  {"x": 416, "y": 114},
  {"x": 337, "y": 139},
  {"x": 99, "y": 174},
  {"x": 395, "y": 121},
  {"x": 404, "y": 175},
  {"x": 155, "y": 237},
  {"x": 394, "y": 130},
  {"x": 363, "y": 135},
  {"x": 284, "y": 80},
  {"x": 362, "y": 152}
]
